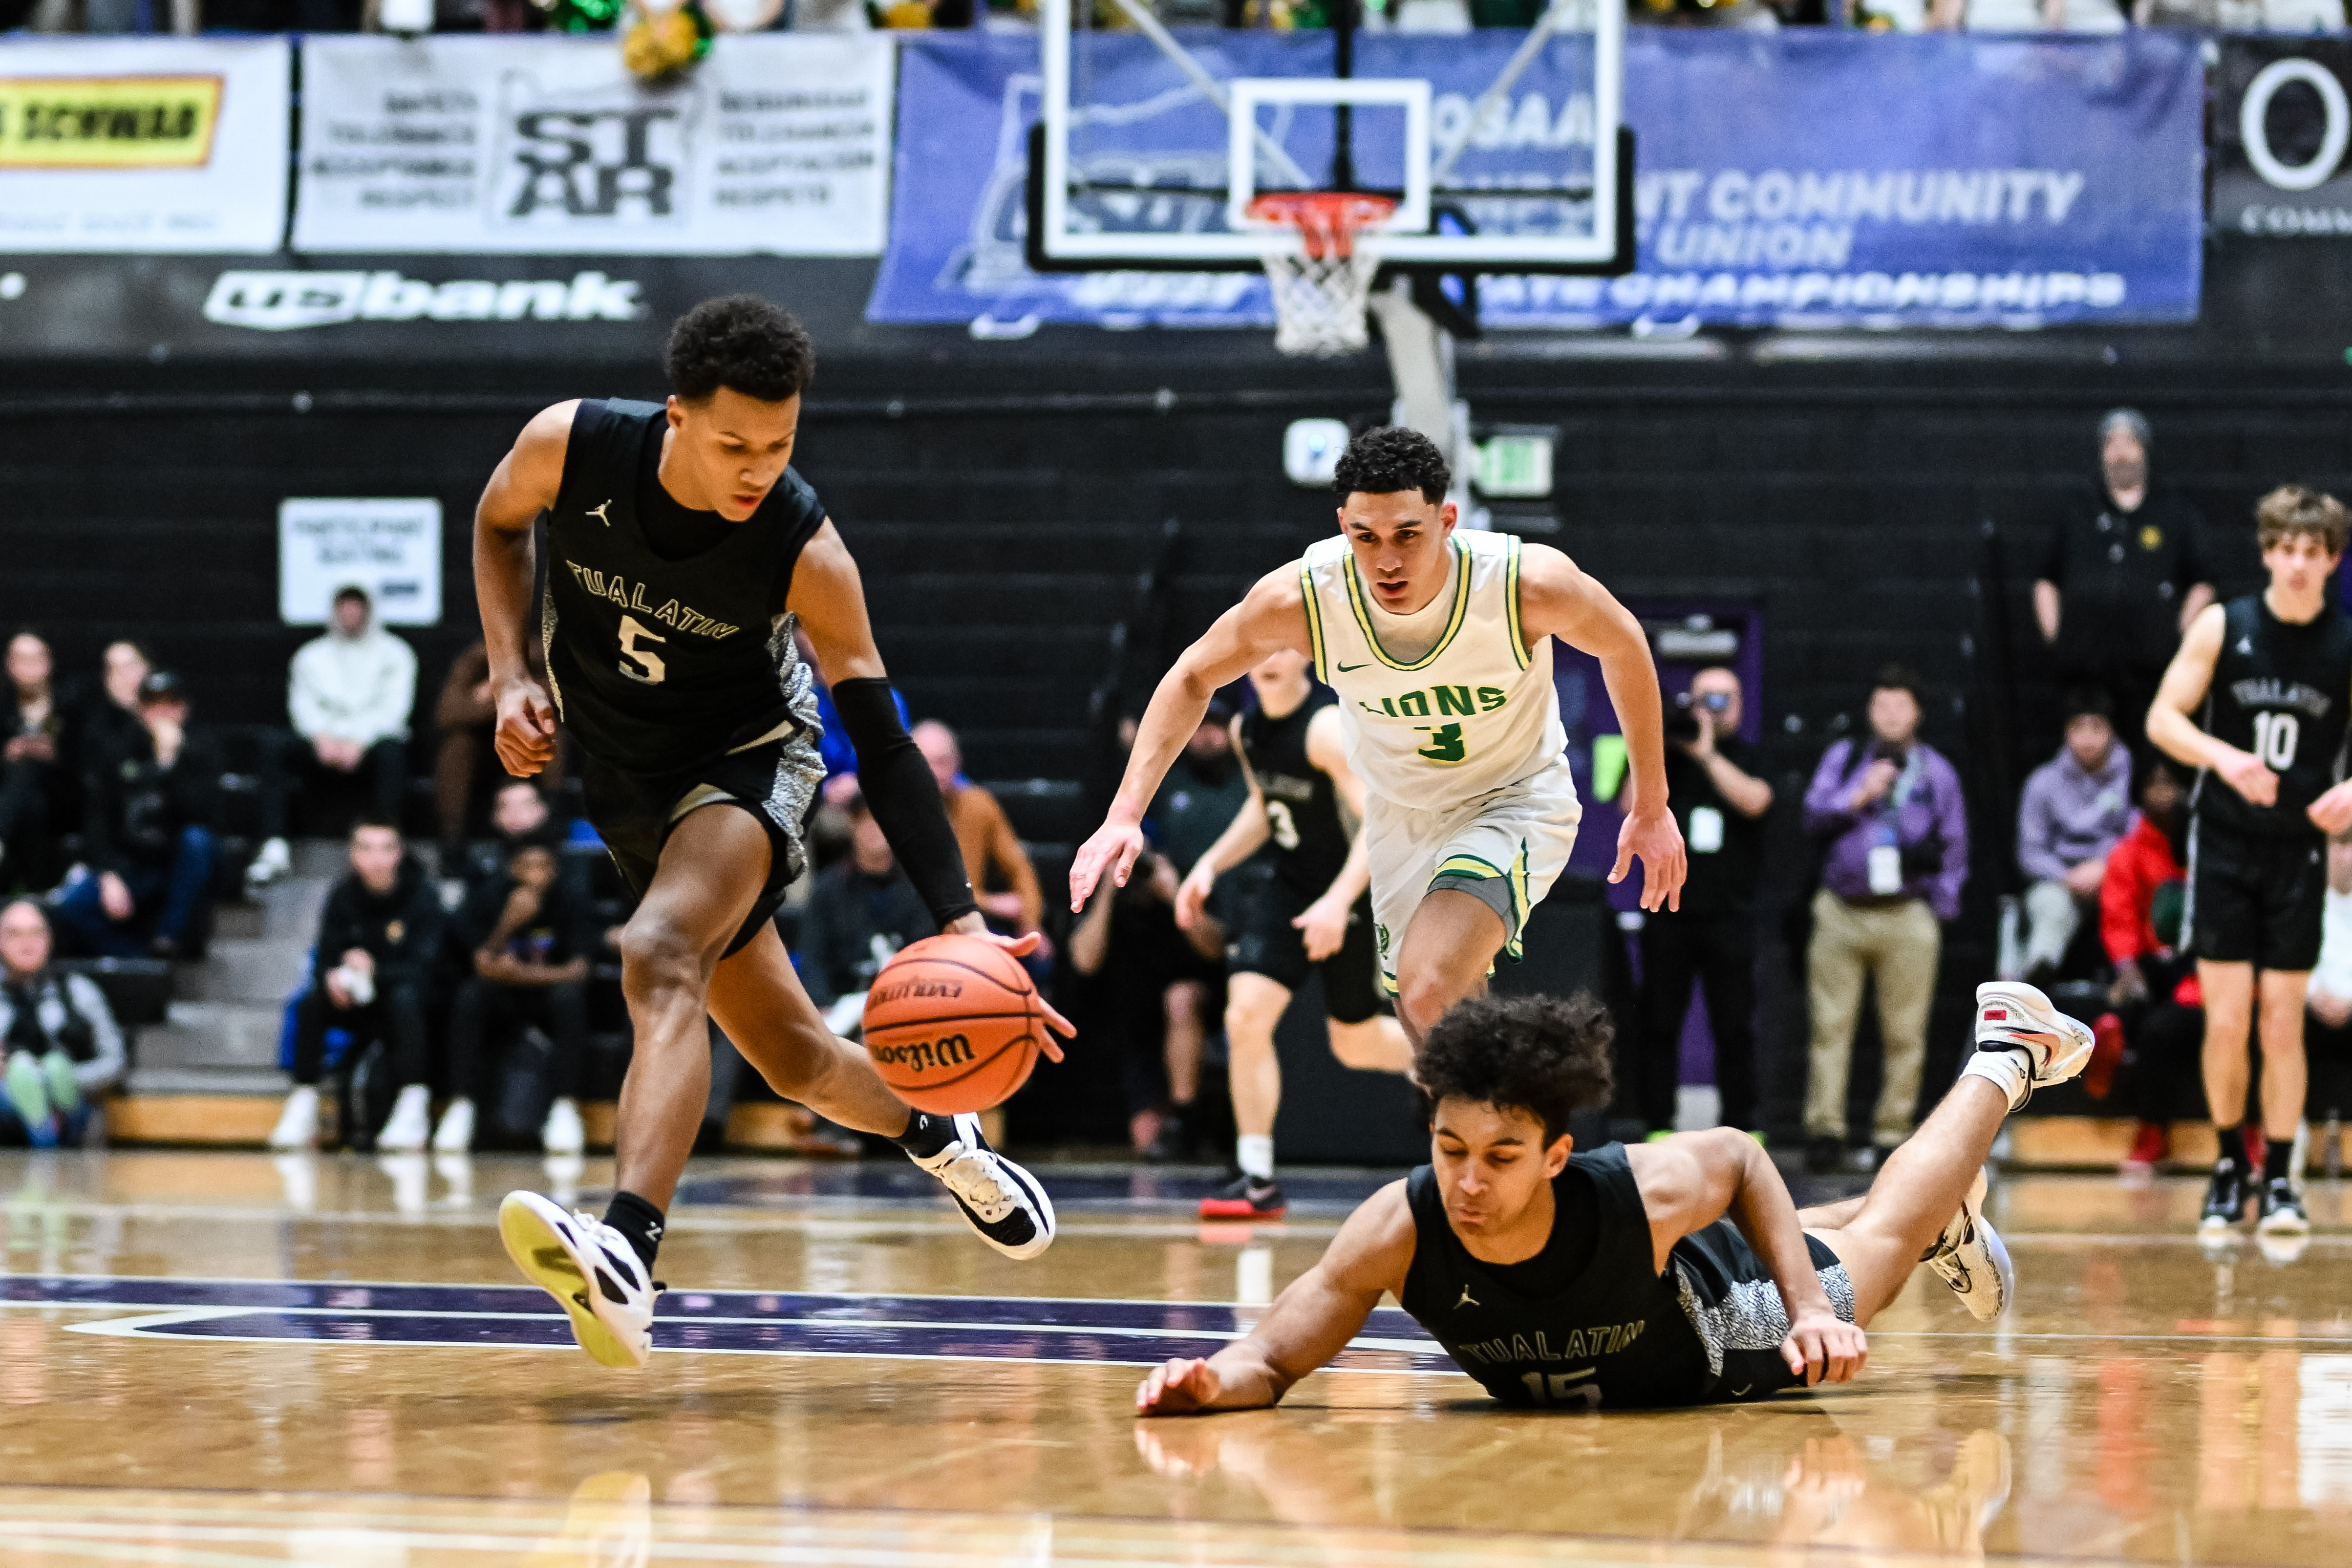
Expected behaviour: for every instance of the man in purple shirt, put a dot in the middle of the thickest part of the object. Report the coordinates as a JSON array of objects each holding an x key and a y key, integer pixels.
[
  {"x": 1889, "y": 808},
  {"x": 2075, "y": 808}
]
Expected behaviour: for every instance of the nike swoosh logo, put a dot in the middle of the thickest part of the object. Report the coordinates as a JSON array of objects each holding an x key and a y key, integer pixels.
[
  {"x": 1343, "y": 669},
  {"x": 1741, "y": 1393}
]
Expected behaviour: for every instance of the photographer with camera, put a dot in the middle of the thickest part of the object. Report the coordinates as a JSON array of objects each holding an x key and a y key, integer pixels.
[
  {"x": 1889, "y": 810},
  {"x": 1716, "y": 786}
]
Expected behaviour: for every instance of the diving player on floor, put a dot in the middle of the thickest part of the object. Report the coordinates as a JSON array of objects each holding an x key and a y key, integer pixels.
[
  {"x": 1312, "y": 913},
  {"x": 682, "y": 552},
  {"x": 2273, "y": 673},
  {"x": 1438, "y": 643},
  {"x": 1615, "y": 1278}
]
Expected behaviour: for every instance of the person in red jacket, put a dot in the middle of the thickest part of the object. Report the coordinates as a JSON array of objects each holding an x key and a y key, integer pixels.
[{"x": 2158, "y": 1012}]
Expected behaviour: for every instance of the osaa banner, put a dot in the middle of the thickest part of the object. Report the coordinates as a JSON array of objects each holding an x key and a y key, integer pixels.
[
  {"x": 147, "y": 145},
  {"x": 774, "y": 143},
  {"x": 1820, "y": 179}
]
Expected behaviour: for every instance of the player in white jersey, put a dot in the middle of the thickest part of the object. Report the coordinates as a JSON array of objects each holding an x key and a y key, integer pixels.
[{"x": 1438, "y": 644}]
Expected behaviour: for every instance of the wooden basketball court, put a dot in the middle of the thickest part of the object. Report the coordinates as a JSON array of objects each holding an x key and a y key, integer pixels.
[{"x": 223, "y": 1359}]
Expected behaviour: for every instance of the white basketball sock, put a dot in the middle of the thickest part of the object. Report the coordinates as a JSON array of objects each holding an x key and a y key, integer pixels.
[
  {"x": 2009, "y": 1071},
  {"x": 1254, "y": 1152}
]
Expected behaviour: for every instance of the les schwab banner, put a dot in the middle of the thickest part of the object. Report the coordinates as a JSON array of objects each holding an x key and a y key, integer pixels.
[{"x": 173, "y": 144}]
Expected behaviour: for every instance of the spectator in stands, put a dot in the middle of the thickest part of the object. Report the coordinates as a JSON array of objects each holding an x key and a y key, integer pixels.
[
  {"x": 1714, "y": 782},
  {"x": 110, "y": 716},
  {"x": 2124, "y": 574},
  {"x": 861, "y": 911},
  {"x": 1896, "y": 831},
  {"x": 378, "y": 937},
  {"x": 35, "y": 767},
  {"x": 465, "y": 716},
  {"x": 993, "y": 856},
  {"x": 1203, "y": 789},
  {"x": 2157, "y": 1009},
  {"x": 1156, "y": 984},
  {"x": 59, "y": 1045},
  {"x": 529, "y": 939},
  {"x": 2076, "y": 807},
  {"x": 151, "y": 804},
  {"x": 519, "y": 813},
  {"x": 349, "y": 691}
]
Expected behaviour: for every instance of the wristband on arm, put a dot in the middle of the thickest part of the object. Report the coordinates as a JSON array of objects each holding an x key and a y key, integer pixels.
[{"x": 904, "y": 797}]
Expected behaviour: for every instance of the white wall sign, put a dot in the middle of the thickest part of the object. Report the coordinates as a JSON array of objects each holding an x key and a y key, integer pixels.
[
  {"x": 777, "y": 143},
  {"x": 144, "y": 145},
  {"x": 390, "y": 547}
]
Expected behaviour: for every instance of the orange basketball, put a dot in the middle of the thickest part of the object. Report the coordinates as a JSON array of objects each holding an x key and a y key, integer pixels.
[{"x": 953, "y": 1025}]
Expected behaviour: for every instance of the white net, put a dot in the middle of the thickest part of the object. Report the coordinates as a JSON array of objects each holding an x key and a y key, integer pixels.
[
  {"x": 1319, "y": 301},
  {"x": 1320, "y": 288}
]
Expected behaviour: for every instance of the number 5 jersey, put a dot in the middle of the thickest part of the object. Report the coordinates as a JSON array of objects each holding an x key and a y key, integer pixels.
[{"x": 664, "y": 661}]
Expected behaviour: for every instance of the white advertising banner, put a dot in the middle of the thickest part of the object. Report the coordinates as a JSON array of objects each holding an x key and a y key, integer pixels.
[
  {"x": 144, "y": 145},
  {"x": 390, "y": 547},
  {"x": 775, "y": 143}
]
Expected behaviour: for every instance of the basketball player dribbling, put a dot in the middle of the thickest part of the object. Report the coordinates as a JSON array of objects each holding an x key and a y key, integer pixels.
[
  {"x": 1438, "y": 644},
  {"x": 1311, "y": 913},
  {"x": 1677, "y": 1272},
  {"x": 684, "y": 552},
  {"x": 2272, "y": 674}
]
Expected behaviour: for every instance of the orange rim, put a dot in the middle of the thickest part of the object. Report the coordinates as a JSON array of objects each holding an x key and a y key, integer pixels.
[{"x": 1326, "y": 221}]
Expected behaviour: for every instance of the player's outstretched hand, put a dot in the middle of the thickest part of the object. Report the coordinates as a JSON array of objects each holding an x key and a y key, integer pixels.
[
  {"x": 1822, "y": 1347},
  {"x": 1192, "y": 893},
  {"x": 525, "y": 738},
  {"x": 973, "y": 924},
  {"x": 1655, "y": 838},
  {"x": 2331, "y": 812},
  {"x": 1324, "y": 925},
  {"x": 1177, "y": 1387},
  {"x": 2244, "y": 771},
  {"x": 1110, "y": 852}
]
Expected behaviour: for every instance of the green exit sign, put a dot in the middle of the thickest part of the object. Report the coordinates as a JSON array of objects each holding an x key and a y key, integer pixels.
[{"x": 1514, "y": 466}]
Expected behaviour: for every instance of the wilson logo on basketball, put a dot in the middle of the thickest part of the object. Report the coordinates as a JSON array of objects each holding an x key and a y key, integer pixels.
[
  {"x": 904, "y": 990},
  {"x": 955, "y": 1050}
]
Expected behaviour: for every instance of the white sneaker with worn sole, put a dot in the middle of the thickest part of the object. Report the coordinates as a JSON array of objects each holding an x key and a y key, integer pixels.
[
  {"x": 1970, "y": 1258},
  {"x": 2016, "y": 1024},
  {"x": 999, "y": 1199},
  {"x": 455, "y": 1133},
  {"x": 410, "y": 1126},
  {"x": 562, "y": 1132},
  {"x": 591, "y": 1271}
]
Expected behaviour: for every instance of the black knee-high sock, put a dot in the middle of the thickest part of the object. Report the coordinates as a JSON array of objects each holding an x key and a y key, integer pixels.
[
  {"x": 639, "y": 1222},
  {"x": 2233, "y": 1145},
  {"x": 2278, "y": 1158}
]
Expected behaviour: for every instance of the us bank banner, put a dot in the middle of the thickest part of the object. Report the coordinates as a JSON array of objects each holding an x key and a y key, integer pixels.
[
  {"x": 147, "y": 145},
  {"x": 1806, "y": 179},
  {"x": 776, "y": 143},
  {"x": 2281, "y": 124}
]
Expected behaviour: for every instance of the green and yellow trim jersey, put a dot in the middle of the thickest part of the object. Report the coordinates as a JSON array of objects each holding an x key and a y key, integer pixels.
[{"x": 1476, "y": 712}]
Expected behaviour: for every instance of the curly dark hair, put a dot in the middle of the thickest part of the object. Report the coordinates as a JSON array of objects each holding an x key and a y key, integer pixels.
[
  {"x": 1544, "y": 1055},
  {"x": 742, "y": 342},
  {"x": 1392, "y": 458}
]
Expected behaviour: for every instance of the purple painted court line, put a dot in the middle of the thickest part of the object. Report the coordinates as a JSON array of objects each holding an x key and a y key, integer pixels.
[
  {"x": 436, "y": 1302},
  {"x": 927, "y": 1341}
]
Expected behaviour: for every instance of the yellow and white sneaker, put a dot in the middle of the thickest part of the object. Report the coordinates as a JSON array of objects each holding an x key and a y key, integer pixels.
[{"x": 590, "y": 1270}]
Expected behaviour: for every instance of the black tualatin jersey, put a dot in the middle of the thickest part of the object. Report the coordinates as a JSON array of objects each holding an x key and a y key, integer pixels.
[
  {"x": 2279, "y": 691},
  {"x": 1612, "y": 1331},
  {"x": 1302, "y": 810},
  {"x": 658, "y": 665}
]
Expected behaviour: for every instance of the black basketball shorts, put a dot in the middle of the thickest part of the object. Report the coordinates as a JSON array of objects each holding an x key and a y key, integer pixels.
[
  {"x": 776, "y": 780},
  {"x": 1730, "y": 1299},
  {"x": 1263, "y": 941},
  {"x": 2255, "y": 898}
]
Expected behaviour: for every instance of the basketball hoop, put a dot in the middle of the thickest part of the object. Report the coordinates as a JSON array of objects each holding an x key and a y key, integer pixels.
[{"x": 1320, "y": 288}]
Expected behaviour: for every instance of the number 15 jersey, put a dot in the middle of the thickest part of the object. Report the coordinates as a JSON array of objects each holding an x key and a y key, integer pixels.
[
  {"x": 1474, "y": 714},
  {"x": 658, "y": 665},
  {"x": 2279, "y": 691}
]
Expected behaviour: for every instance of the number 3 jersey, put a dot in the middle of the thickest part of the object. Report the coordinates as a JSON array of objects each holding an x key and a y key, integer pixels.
[
  {"x": 1310, "y": 836},
  {"x": 660, "y": 664},
  {"x": 1472, "y": 712},
  {"x": 2279, "y": 691}
]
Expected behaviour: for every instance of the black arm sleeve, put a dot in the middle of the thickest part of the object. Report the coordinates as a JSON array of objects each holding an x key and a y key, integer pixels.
[{"x": 905, "y": 797}]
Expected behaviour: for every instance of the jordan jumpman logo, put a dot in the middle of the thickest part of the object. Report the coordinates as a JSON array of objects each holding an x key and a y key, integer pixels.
[
  {"x": 598, "y": 513},
  {"x": 1468, "y": 1299}
]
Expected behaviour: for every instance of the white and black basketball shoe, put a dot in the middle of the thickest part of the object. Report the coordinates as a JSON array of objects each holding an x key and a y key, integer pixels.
[
  {"x": 1970, "y": 1258},
  {"x": 590, "y": 1270},
  {"x": 2023, "y": 1042},
  {"x": 999, "y": 1199}
]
